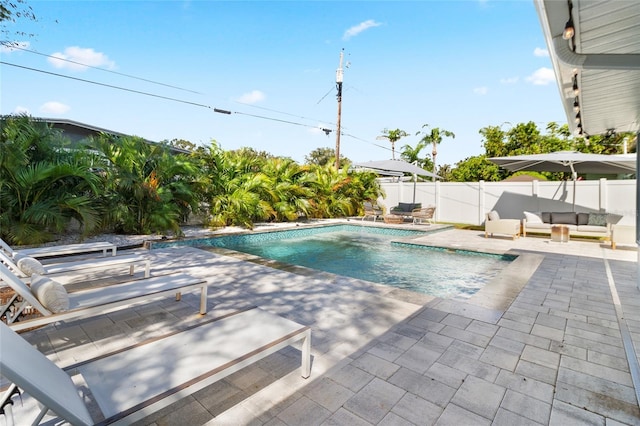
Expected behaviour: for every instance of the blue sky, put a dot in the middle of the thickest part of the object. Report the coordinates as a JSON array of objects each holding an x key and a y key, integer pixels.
[{"x": 456, "y": 65}]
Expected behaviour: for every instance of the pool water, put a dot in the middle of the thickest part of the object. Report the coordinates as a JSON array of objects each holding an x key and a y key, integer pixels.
[{"x": 376, "y": 257}]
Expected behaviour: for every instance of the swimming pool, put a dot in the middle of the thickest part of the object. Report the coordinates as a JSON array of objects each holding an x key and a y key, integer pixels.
[{"x": 381, "y": 255}]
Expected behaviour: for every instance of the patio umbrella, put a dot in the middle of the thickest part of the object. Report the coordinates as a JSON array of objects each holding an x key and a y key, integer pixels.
[
  {"x": 396, "y": 168},
  {"x": 570, "y": 161}
]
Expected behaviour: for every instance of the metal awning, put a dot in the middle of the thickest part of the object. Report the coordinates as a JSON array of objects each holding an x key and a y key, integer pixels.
[{"x": 602, "y": 60}]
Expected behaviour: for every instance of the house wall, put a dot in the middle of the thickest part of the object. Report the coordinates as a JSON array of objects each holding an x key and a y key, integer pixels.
[{"x": 468, "y": 202}]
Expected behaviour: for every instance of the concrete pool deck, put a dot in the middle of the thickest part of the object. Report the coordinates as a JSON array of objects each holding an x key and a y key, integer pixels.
[{"x": 547, "y": 343}]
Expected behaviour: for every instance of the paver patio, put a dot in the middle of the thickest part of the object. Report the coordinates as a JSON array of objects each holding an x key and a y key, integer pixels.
[{"x": 543, "y": 344}]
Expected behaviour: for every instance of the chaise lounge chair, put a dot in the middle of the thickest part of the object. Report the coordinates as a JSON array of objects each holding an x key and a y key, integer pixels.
[
  {"x": 33, "y": 265},
  {"x": 135, "y": 382},
  {"x": 92, "y": 301},
  {"x": 102, "y": 246}
]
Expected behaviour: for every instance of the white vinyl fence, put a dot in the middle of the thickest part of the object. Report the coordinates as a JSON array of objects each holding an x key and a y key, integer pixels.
[{"x": 469, "y": 202}]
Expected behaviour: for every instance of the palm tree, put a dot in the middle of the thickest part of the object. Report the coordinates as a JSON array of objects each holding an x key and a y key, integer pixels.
[
  {"x": 236, "y": 188},
  {"x": 434, "y": 137},
  {"x": 393, "y": 136},
  {"x": 43, "y": 186},
  {"x": 289, "y": 198},
  {"x": 330, "y": 188},
  {"x": 147, "y": 189}
]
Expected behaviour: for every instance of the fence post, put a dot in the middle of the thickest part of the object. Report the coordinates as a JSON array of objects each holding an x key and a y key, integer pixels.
[
  {"x": 436, "y": 196},
  {"x": 535, "y": 188},
  {"x": 481, "y": 198},
  {"x": 603, "y": 201}
]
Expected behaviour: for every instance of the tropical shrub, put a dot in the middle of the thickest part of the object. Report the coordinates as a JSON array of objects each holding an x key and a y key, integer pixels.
[
  {"x": 43, "y": 184},
  {"x": 146, "y": 188}
]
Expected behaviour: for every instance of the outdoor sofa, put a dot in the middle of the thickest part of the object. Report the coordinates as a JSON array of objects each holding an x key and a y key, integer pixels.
[
  {"x": 405, "y": 209},
  {"x": 580, "y": 224}
]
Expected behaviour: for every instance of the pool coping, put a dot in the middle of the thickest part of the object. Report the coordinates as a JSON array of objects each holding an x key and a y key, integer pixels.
[{"x": 149, "y": 244}]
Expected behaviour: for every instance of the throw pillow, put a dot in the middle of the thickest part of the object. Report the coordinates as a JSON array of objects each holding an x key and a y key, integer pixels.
[
  {"x": 564, "y": 218},
  {"x": 598, "y": 219},
  {"x": 532, "y": 217},
  {"x": 583, "y": 218},
  {"x": 546, "y": 217},
  {"x": 50, "y": 293},
  {"x": 493, "y": 215},
  {"x": 30, "y": 266}
]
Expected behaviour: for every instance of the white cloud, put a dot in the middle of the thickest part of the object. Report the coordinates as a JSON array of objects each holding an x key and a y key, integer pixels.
[
  {"x": 21, "y": 110},
  {"x": 542, "y": 77},
  {"x": 509, "y": 80},
  {"x": 11, "y": 47},
  {"x": 481, "y": 90},
  {"x": 538, "y": 51},
  {"x": 53, "y": 107},
  {"x": 252, "y": 97},
  {"x": 357, "y": 29},
  {"x": 80, "y": 58}
]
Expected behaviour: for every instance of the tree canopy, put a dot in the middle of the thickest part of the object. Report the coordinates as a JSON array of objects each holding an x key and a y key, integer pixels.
[
  {"x": 12, "y": 11},
  {"x": 527, "y": 138}
]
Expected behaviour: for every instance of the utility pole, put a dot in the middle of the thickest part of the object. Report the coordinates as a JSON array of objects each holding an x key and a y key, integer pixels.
[{"x": 339, "y": 77}]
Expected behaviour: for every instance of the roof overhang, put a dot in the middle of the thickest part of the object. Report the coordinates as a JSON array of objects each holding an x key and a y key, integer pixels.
[
  {"x": 76, "y": 130},
  {"x": 602, "y": 59}
]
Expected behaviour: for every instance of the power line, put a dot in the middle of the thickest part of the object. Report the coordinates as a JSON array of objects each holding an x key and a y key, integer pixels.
[
  {"x": 155, "y": 95},
  {"x": 106, "y": 85},
  {"x": 279, "y": 112},
  {"x": 104, "y": 70},
  {"x": 218, "y": 110},
  {"x": 366, "y": 141},
  {"x": 152, "y": 81},
  {"x": 276, "y": 119}
]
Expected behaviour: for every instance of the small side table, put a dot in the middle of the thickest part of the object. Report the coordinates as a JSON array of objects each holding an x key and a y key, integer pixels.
[
  {"x": 560, "y": 233},
  {"x": 393, "y": 218}
]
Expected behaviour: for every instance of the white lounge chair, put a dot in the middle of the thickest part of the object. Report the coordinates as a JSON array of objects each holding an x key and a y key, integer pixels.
[
  {"x": 37, "y": 252},
  {"x": 99, "y": 264},
  {"x": 97, "y": 300},
  {"x": 135, "y": 382}
]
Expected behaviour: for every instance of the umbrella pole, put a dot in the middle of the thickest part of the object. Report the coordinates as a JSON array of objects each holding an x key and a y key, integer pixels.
[
  {"x": 415, "y": 179},
  {"x": 574, "y": 176},
  {"x": 574, "y": 194}
]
